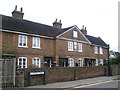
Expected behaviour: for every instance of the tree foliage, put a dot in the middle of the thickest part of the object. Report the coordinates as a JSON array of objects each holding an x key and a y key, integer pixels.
[{"x": 115, "y": 60}]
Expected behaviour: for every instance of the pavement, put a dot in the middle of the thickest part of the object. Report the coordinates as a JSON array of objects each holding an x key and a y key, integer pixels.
[{"x": 69, "y": 84}]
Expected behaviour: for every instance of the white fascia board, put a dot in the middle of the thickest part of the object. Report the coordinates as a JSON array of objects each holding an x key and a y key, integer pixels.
[
  {"x": 65, "y": 32},
  {"x": 25, "y": 33},
  {"x": 99, "y": 46},
  {"x": 82, "y": 34},
  {"x": 78, "y": 31},
  {"x": 72, "y": 40}
]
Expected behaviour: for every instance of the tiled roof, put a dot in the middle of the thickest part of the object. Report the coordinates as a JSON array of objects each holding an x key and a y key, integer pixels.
[
  {"x": 9, "y": 23},
  {"x": 25, "y": 26},
  {"x": 96, "y": 41}
]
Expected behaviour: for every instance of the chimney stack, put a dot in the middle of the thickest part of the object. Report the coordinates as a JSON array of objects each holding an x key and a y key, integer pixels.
[
  {"x": 18, "y": 14},
  {"x": 83, "y": 30},
  {"x": 57, "y": 24}
]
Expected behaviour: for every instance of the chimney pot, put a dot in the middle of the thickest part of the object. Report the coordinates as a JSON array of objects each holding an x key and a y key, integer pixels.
[
  {"x": 15, "y": 7},
  {"x": 56, "y": 20},
  {"x": 18, "y": 14},
  {"x": 21, "y": 9},
  {"x": 60, "y": 21},
  {"x": 82, "y": 26}
]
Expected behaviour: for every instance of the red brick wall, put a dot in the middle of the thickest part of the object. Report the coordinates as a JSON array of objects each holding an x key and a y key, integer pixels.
[
  {"x": 62, "y": 74},
  {"x": 49, "y": 47}
]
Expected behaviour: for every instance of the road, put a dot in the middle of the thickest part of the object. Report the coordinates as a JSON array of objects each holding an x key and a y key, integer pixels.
[
  {"x": 98, "y": 82},
  {"x": 102, "y": 84}
]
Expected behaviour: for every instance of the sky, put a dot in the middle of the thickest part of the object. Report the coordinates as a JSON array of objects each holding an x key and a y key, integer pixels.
[{"x": 99, "y": 16}]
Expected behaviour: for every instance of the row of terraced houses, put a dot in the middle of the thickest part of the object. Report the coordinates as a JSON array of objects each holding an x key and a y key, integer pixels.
[{"x": 39, "y": 45}]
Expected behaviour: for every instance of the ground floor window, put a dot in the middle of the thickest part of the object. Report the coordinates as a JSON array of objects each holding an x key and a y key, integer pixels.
[
  {"x": 80, "y": 62},
  {"x": 96, "y": 62},
  {"x": 101, "y": 61},
  {"x": 22, "y": 62},
  {"x": 71, "y": 62},
  {"x": 36, "y": 62}
]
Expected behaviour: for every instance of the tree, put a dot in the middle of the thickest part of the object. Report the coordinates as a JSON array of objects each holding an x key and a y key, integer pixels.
[{"x": 115, "y": 60}]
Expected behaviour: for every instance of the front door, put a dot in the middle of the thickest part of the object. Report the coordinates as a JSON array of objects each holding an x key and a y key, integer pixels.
[
  {"x": 63, "y": 62},
  {"x": 48, "y": 62}
]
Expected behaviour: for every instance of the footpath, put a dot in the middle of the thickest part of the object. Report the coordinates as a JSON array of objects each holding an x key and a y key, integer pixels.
[{"x": 68, "y": 84}]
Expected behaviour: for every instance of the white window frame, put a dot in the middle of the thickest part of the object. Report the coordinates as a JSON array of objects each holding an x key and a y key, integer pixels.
[
  {"x": 19, "y": 40},
  {"x": 36, "y": 63},
  {"x": 70, "y": 46},
  {"x": 81, "y": 64},
  {"x": 101, "y": 61},
  {"x": 79, "y": 47},
  {"x": 75, "y": 34},
  {"x": 70, "y": 62},
  {"x": 36, "y": 42},
  {"x": 96, "y": 62},
  {"x": 22, "y": 62},
  {"x": 96, "y": 49},
  {"x": 101, "y": 50},
  {"x": 75, "y": 46}
]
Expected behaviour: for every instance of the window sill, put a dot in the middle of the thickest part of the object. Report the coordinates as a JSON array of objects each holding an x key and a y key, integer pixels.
[
  {"x": 79, "y": 51},
  {"x": 70, "y": 50},
  {"x": 23, "y": 46},
  {"x": 36, "y": 47},
  {"x": 96, "y": 53}
]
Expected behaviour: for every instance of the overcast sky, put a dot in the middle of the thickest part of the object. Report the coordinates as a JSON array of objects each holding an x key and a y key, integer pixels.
[{"x": 99, "y": 16}]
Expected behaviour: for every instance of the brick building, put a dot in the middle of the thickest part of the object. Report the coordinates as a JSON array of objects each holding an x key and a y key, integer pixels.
[{"x": 38, "y": 45}]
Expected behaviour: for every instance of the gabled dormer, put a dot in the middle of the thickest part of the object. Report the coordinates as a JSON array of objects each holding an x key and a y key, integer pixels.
[{"x": 73, "y": 33}]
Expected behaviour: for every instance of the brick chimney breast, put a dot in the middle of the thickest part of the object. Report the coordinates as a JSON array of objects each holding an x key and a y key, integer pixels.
[
  {"x": 18, "y": 14},
  {"x": 57, "y": 24},
  {"x": 83, "y": 30}
]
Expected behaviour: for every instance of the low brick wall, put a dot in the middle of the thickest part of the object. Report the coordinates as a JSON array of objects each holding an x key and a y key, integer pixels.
[
  {"x": 115, "y": 69},
  {"x": 61, "y": 74},
  {"x": 88, "y": 72}
]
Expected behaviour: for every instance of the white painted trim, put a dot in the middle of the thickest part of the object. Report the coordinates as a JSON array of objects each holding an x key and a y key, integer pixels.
[
  {"x": 78, "y": 31},
  {"x": 99, "y": 46},
  {"x": 65, "y": 32},
  {"x": 39, "y": 61},
  {"x": 33, "y": 43},
  {"x": 101, "y": 50},
  {"x": 72, "y": 40},
  {"x": 82, "y": 62},
  {"x": 70, "y": 48},
  {"x": 26, "y": 33},
  {"x": 82, "y": 34},
  {"x": 19, "y": 41},
  {"x": 71, "y": 60},
  {"x": 80, "y": 46},
  {"x": 96, "y": 62},
  {"x": 22, "y": 62}
]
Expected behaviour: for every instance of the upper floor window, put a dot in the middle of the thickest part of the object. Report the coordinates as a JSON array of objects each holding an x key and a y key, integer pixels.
[
  {"x": 75, "y": 46},
  {"x": 101, "y": 50},
  {"x": 36, "y": 42},
  {"x": 75, "y": 34},
  {"x": 96, "y": 49},
  {"x": 22, "y": 41},
  {"x": 70, "y": 46},
  {"x": 70, "y": 62},
  {"x": 79, "y": 47},
  {"x": 80, "y": 62},
  {"x": 36, "y": 62},
  {"x": 22, "y": 62}
]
